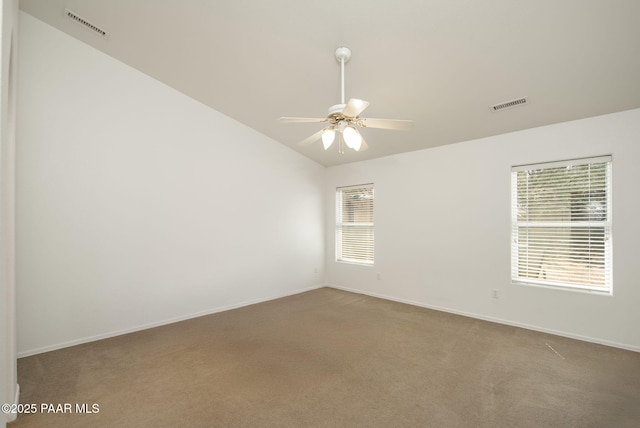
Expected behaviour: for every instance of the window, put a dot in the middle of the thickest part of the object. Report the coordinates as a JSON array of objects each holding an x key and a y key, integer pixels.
[
  {"x": 561, "y": 224},
  {"x": 354, "y": 224}
]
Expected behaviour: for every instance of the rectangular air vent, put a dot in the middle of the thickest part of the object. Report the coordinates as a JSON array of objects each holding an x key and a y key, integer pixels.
[
  {"x": 509, "y": 104},
  {"x": 88, "y": 25}
]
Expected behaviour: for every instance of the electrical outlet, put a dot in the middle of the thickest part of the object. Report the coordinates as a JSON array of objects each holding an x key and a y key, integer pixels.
[
  {"x": 494, "y": 294},
  {"x": 378, "y": 275}
]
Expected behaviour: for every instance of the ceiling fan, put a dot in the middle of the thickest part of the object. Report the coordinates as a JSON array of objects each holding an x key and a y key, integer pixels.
[{"x": 344, "y": 119}]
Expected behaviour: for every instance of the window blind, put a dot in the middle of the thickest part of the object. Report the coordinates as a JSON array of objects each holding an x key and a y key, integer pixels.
[
  {"x": 561, "y": 224},
  {"x": 354, "y": 224}
]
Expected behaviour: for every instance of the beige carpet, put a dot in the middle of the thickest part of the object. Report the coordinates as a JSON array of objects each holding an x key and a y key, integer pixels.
[{"x": 329, "y": 358}]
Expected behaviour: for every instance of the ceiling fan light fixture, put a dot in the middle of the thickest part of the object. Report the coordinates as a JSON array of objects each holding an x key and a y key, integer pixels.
[
  {"x": 352, "y": 138},
  {"x": 328, "y": 136}
]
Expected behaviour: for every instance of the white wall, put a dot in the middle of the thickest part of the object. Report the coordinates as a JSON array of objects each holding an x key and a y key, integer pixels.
[
  {"x": 442, "y": 219},
  {"x": 8, "y": 47},
  {"x": 138, "y": 205}
]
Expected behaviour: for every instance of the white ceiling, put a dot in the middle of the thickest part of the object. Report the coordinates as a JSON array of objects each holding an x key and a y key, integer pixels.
[{"x": 440, "y": 63}]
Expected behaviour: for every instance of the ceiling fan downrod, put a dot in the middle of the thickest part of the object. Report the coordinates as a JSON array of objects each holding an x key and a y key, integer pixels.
[{"x": 343, "y": 55}]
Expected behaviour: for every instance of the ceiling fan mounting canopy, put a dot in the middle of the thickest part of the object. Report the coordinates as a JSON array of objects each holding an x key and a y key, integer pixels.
[
  {"x": 343, "y": 54},
  {"x": 344, "y": 118}
]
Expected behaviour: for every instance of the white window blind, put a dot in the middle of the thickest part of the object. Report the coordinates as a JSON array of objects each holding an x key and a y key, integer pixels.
[
  {"x": 561, "y": 224},
  {"x": 354, "y": 224}
]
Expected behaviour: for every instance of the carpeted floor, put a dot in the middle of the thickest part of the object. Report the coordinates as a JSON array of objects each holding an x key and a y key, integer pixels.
[{"x": 328, "y": 358}]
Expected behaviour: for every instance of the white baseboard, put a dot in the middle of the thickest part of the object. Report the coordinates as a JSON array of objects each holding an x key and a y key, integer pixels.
[
  {"x": 80, "y": 341},
  {"x": 496, "y": 320},
  {"x": 10, "y": 417}
]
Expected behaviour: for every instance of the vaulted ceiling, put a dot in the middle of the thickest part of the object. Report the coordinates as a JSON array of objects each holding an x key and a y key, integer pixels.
[{"x": 440, "y": 63}]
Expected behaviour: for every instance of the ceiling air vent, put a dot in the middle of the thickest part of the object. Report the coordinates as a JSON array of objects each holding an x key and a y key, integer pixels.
[
  {"x": 80, "y": 20},
  {"x": 509, "y": 104}
]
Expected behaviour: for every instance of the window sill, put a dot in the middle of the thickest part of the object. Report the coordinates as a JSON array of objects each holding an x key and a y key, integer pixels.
[
  {"x": 350, "y": 262},
  {"x": 603, "y": 292}
]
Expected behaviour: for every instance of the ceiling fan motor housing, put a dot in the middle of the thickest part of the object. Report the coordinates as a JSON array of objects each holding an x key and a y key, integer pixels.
[{"x": 336, "y": 109}]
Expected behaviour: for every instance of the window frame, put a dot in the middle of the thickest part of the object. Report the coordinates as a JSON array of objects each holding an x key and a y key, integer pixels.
[
  {"x": 340, "y": 225},
  {"x": 606, "y": 225}
]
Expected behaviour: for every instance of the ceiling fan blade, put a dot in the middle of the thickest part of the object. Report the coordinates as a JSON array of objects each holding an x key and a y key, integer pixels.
[
  {"x": 302, "y": 119},
  {"x": 354, "y": 107},
  {"x": 312, "y": 139},
  {"x": 396, "y": 124}
]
